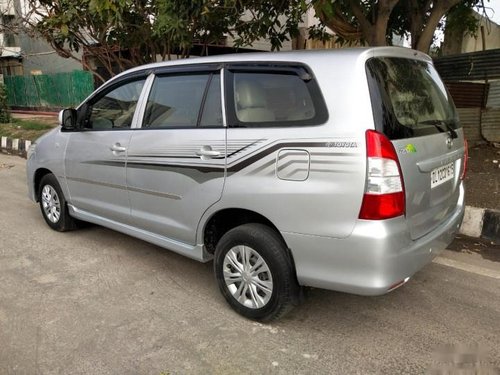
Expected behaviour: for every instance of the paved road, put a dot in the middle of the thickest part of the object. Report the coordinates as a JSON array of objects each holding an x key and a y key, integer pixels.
[{"x": 95, "y": 301}]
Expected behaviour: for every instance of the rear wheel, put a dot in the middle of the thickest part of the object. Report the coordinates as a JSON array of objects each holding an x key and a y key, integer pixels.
[
  {"x": 255, "y": 273},
  {"x": 53, "y": 204}
]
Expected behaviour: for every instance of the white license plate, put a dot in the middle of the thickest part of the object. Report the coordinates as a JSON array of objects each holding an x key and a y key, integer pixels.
[{"x": 442, "y": 174}]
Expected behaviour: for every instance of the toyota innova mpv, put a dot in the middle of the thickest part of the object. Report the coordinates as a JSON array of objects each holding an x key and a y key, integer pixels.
[{"x": 336, "y": 169}]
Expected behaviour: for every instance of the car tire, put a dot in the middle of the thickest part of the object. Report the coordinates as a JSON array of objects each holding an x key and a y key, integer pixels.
[
  {"x": 255, "y": 272},
  {"x": 53, "y": 205}
]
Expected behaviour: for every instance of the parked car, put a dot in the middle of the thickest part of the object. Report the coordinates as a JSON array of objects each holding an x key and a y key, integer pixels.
[{"x": 336, "y": 169}]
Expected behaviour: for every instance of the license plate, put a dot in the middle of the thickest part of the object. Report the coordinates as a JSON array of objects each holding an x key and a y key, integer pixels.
[{"x": 442, "y": 174}]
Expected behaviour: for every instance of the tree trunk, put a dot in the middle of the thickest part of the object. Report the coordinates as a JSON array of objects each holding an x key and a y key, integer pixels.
[
  {"x": 337, "y": 23},
  {"x": 375, "y": 35},
  {"x": 423, "y": 34},
  {"x": 374, "y": 32},
  {"x": 416, "y": 17}
]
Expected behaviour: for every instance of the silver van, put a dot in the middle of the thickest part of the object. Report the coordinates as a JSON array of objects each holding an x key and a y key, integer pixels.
[{"x": 336, "y": 169}]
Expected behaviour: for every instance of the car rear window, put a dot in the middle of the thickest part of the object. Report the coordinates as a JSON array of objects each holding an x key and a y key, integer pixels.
[{"x": 408, "y": 98}]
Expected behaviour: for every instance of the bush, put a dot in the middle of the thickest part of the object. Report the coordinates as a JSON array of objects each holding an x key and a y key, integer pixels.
[{"x": 4, "y": 107}]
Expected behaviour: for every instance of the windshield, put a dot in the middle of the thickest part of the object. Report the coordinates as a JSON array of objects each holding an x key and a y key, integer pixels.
[{"x": 408, "y": 98}]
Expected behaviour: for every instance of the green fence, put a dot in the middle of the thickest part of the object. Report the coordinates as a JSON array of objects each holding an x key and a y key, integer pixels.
[{"x": 49, "y": 90}]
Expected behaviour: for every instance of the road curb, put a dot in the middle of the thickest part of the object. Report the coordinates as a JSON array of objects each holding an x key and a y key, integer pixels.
[
  {"x": 14, "y": 146},
  {"x": 481, "y": 222},
  {"x": 478, "y": 222}
]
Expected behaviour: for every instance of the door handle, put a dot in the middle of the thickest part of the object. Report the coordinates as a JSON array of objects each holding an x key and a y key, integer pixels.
[
  {"x": 118, "y": 148},
  {"x": 206, "y": 152}
]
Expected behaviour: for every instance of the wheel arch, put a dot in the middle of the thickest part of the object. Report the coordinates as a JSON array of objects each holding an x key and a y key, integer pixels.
[
  {"x": 223, "y": 220},
  {"x": 39, "y": 174}
]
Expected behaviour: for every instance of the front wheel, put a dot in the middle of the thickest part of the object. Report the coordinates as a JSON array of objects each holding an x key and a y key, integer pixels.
[
  {"x": 53, "y": 204},
  {"x": 255, "y": 273}
]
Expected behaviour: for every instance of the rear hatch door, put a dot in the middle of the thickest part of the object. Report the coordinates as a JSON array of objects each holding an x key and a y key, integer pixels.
[{"x": 413, "y": 109}]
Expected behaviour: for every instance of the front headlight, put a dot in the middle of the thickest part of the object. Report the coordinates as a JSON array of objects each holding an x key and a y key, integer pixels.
[{"x": 31, "y": 150}]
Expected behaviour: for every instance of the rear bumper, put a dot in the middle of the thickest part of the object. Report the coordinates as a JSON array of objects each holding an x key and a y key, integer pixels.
[{"x": 377, "y": 255}]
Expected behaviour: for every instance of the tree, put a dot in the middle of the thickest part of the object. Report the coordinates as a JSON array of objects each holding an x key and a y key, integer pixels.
[
  {"x": 376, "y": 22},
  {"x": 100, "y": 28},
  {"x": 355, "y": 20},
  {"x": 420, "y": 19},
  {"x": 119, "y": 34},
  {"x": 4, "y": 107},
  {"x": 123, "y": 33}
]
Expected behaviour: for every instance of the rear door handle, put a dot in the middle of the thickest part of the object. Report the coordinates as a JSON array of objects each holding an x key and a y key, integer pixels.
[
  {"x": 206, "y": 152},
  {"x": 118, "y": 148}
]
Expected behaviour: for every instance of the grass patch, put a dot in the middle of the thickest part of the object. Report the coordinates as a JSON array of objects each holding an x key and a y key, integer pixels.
[
  {"x": 32, "y": 124},
  {"x": 29, "y": 129}
]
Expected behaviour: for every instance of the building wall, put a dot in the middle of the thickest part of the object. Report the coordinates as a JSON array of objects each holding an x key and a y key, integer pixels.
[
  {"x": 25, "y": 54},
  {"x": 455, "y": 44},
  {"x": 492, "y": 38},
  {"x": 9, "y": 43},
  {"x": 40, "y": 58}
]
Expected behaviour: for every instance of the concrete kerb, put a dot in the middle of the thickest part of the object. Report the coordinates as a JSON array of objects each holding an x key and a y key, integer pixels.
[
  {"x": 14, "y": 146},
  {"x": 481, "y": 222},
  {"x": 478, "y": 222}
]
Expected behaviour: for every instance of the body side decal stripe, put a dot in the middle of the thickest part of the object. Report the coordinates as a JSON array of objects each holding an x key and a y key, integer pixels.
[
  {"x": 232, "y": 167},
  {"x": 237, "y": 166}
]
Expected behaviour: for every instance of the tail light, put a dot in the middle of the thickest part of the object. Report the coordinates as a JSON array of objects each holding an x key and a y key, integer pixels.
[
  {"x": 384, "y": 196},
  {"x": 466, "y": 157}
]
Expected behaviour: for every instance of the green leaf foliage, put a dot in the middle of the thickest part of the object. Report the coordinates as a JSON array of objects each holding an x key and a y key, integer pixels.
[
  {"x": 4, "y": 107},
  {"x": 125, "y": 33}
]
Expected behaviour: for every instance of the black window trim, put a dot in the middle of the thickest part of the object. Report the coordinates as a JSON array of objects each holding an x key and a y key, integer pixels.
[
  {"x": 301, "y": 70},
  {"x": 189, "y": 68}
]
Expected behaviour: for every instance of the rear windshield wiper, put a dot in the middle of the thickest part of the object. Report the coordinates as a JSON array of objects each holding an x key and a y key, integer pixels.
[{"x": 438, "y": 123}]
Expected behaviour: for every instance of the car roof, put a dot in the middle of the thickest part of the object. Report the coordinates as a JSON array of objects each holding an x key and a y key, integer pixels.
[{"x": 299, "y": 56}]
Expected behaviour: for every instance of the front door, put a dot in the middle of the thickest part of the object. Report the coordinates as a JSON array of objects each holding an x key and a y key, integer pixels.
[
  {"x": 176, "y": 161},
  {"x": 96, "y": 152}
]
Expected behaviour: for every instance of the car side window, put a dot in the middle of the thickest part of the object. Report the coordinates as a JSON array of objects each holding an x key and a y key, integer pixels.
[
  {"x": 271, "y": 97},
  {"x": 175, "y": 101},
  {"x": 278, "y": 97},
  {"x": 115, "y": 109}
]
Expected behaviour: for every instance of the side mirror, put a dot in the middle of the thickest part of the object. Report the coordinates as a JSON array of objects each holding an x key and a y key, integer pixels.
[{"x": 67, "y": 118}]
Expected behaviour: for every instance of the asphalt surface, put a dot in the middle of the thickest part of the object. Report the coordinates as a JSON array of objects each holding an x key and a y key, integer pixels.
[{"x": 94, "y": 301}]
